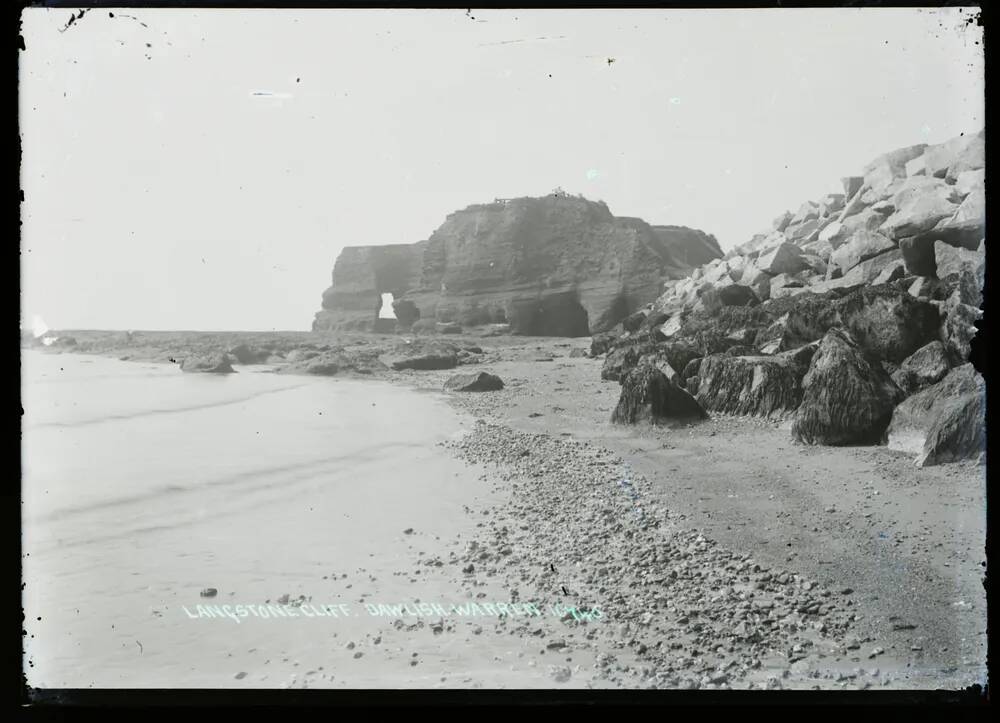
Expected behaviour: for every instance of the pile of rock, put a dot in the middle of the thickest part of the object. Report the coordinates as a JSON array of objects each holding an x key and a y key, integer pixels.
[{"x": 839, "y": 312}]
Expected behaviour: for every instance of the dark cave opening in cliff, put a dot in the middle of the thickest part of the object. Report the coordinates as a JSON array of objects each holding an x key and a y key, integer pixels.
[{"x": 553, "y": 315}]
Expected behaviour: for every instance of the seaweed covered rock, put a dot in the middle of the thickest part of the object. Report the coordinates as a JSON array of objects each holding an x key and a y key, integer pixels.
[
  {"x": 927, "y": 365},
  {"x": 889, "y": 322},
  {"x": 600, "y": 343},
  {"x": 216, "y": 363},
  {"x": 337, "y": 361},
  {"x": 945, "y": 422},
  {"x": 479, "y": 382},
  {"x": 847, "y": 396},
  {"x": 959, "y": 326},
  {"x": 624, "y": 357},
  {"x": 799, "y": 322},
  {"x": 648, "y": 395},
  {"x": 759, "y": 386},
  {"x": 441, "y": 356}
]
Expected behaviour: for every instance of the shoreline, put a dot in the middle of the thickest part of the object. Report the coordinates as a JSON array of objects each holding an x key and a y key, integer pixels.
[{"x": 702, "y": 528}]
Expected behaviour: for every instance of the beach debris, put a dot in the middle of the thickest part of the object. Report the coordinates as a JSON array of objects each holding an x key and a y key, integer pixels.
[{"x": 209, "y": 592}]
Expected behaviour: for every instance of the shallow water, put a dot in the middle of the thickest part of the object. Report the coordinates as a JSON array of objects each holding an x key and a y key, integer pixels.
[{"x": 142, "y": 486}]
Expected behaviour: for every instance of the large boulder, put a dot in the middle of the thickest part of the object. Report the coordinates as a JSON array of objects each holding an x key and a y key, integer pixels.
[
  {"x": 887, "y": 168},
  {"x": 963, "y": 153},
  {"x": 712, "y": 298},
  {"x": 847, "y": 396},
  {"x": 476, "y": 382},
  {"x": 967, "y": 226},
  {"x": 951, "y": 260},
  {"x": 632, "y": 322},
  {"x": 945, "y": 422},
  {"x": 336, "y": 362},
  {"x": 919, "y": 205},
  {"x": 648, "y": 395},
  {"x": 861, "y": 246},
  {"x": 918, "y": 254},
  {"x": 213, "y": 363},
  {"x": 443, "y": 356},
  {"x": 888, "y": 322},
  {"x": 759, "y": 386},
  {"x": 959, "y": 326},
  {"x": 785, "y": 259},
  {"x": 927, "y": 365},
  {"x": 600, "y": 343},
  {"x": 623, "y": 358},
  {"x": 807, "y": 318}
]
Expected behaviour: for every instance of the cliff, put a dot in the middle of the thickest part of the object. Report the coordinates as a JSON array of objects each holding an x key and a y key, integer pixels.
[{"x": 555, "y": 266}]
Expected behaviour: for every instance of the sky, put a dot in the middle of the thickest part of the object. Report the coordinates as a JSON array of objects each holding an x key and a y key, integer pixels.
[{"x": 202, "y": 169}]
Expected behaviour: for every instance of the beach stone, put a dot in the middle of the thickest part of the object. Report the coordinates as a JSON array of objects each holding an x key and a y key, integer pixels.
[
  {"x": 928, "y": 365},
  {"x": 945, "y": 422},
  {"x": 888, "y": 322},
  {"x": 216, "y": 363},
  {"x": 649, "y": 395},
  {"x": 441, "y": 357},
  {"x": 847, "y": 397},
  {"x": 478, "y": 382},
  {"x": 785, "y": 259}
]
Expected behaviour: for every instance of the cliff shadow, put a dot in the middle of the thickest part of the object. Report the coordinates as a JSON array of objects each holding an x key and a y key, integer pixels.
[{"x": 559, "y": 314}]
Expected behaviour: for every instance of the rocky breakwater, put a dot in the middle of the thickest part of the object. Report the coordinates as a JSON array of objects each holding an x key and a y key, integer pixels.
[
  {"x": 558, "y": 265},
  {"x": 840, "y": 313}
]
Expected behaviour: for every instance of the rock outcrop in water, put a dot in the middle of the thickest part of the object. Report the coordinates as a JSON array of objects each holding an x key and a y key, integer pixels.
[
  {"x": 552, "y": 266},
  {"x": 889, "y": 275}
]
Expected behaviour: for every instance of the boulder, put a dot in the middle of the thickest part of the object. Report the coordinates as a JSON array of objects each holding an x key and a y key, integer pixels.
[
  {"x": 679, "y": 353},
  {"x": 918, "y": 255},
  {"x": 623, "y": 358},
  {"x": 969, "y": 181},
  {"x": 660, "y": 362},
  {"x": 962, "y": 153},
  {"x": 805, "y": 320},
  {"x": 851, "y": 184},
  {"x": 967, "y": 226},
  {"x": 335, "y": 362},
  {"x": 715, "y": 297},
  {"x": 435, "y": 357},
  {"x": 887, "y": 168},
  {"x": 830, "y": 204},
  {"x": 648, "y": 395},
  {"x": 959, "y": 326},
  {"x": 945, "y": 422},
  {"x": 807, "y": 212},
  {"x": 921, "y": 288},
  {"x": 870, "y": 269},
  {"x": 479, "y": 382},
  {"x": 951, "y": 260},
  {"x": 216, "y": 363},
  {"x": 847, "y": 396},
  {"x": 927, "y": 365},
  {"x": 600, "y": 343},
  {"x": 759, "y": 386},
  {"x": 801, "y": 232},
  {"x": 577, "y": 353},
  {"x": 855, "y": 204},
  {"x": 918, "y": 206},
  {"x": 916, "y": 167},
  {"x": 888, "y": 322},
  {"x": 893, "y": 271},
  {"x": 691, "y": 368},
  {"x": 782, "y": 221},
  {"x": 632, "y": 322},
  {"x": 785, "y": 259},
  {"x": 758, "y": 280},
  {"x": 861, "y": 246}
]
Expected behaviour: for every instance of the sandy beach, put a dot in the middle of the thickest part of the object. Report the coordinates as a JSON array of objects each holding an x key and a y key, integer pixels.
[{"x": 677, "y": 557}]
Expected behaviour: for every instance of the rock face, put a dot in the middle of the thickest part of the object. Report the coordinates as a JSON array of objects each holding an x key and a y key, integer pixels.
[
  {"x": 552, "y": 266},
  {"x": 945, "y": 422},
  {"x": 207, "y": 364},
  {"x": 847, "y": 396},
  {"x": 648, "y": 395},
  {"x": 480, "y": 382}
]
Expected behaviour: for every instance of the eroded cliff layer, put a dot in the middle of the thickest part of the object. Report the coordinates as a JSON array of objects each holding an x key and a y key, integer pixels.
[{"x": 556, "y": 266}]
